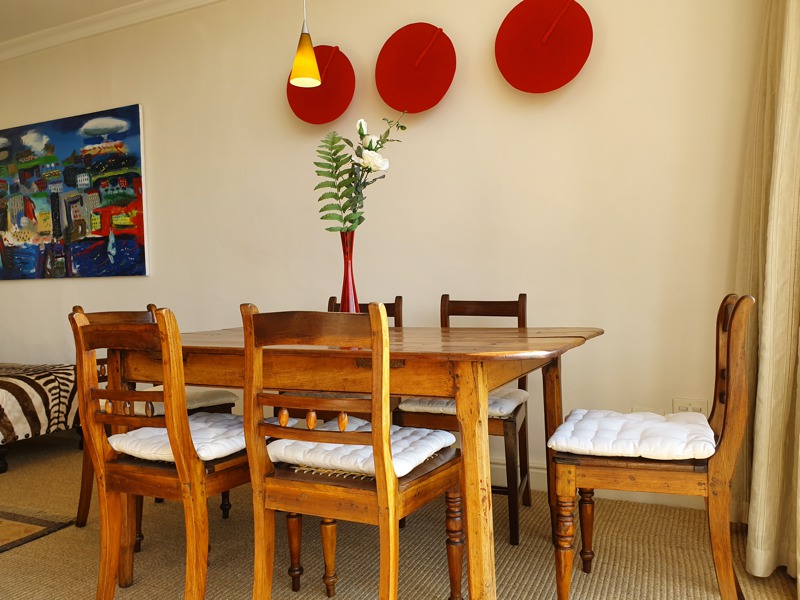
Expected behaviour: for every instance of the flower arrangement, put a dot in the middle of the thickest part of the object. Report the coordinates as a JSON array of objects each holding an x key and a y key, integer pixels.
[{"x": 346, "y": 175}]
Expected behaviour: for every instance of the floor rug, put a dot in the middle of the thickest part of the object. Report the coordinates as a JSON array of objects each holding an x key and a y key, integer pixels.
[{"x": 16, "y": 530}]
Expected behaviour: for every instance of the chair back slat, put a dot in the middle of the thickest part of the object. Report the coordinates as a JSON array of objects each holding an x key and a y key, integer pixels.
[
  {"x": 129, "y": 421},
  {"x": 127, "y": 395},
  {"x": 312, "y": 329},
  {"x": 487, "y": 308},
  {"x": 394, "y": 310},
  {"x": 140, "y": 336},
  {"x": 350, "y": 405},
  {"x": 484, "y": 308}
]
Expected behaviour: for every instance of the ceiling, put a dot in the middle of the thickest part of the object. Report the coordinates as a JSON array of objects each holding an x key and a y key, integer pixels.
[
  {"x": 35, "y": 17},
  {"x": 43, "y": 24}
]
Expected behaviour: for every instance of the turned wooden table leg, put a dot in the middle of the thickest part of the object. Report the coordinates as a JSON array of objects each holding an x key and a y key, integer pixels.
[{"x": 565, "y": 528}]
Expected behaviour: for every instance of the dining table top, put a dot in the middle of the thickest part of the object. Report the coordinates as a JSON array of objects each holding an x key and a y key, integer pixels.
[{"x": 447, "y": 343}]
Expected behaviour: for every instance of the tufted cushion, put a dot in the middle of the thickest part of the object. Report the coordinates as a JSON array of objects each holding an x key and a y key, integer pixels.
[
  {"x": 607, "y": 433},
  {"x": 195, "y": 398},
  {"x": 214, "y": 435},
  {"x": 502, "y": 402},
  {"x": 410, "y": 447}
]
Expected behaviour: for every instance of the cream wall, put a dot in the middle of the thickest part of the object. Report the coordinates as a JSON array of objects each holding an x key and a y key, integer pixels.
[{"x": 612, "y": 202}]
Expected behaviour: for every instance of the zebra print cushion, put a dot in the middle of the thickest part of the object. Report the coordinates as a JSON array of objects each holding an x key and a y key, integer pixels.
[{"x": 35, "y": 400}]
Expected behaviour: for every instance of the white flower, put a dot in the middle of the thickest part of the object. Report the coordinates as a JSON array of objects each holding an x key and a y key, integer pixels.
[
  {"x": 361, "y": 126},
  {"x": 370, "y": 142},
  {"x": 372, "y": 161}
]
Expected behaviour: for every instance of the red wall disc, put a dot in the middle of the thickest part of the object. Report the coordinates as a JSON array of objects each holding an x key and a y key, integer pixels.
[
  {"x": 328, "y": 101},
  {"x": 415, "y": 67},
  {"x": 543, "y": 44}
]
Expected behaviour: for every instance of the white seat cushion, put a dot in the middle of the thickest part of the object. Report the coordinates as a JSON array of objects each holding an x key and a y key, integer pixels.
[
  {"x": 411, "y": 446},
  {"x": 502, "y": 402},
  {"x": 195, "y": 398},
  {"x": 676, "y": 436},
  {"x": 214, "y": 435}
]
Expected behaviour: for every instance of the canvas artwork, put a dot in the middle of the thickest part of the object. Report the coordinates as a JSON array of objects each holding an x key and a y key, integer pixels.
[{"x": 71, "y": 197}]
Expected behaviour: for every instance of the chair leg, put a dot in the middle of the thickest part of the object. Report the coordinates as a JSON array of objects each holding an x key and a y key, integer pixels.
[
  {"x": 127, "y": 542},
  {"x": 110, "y": 538},
  {"x": 226, "y": 504},
  {"x": 565, "y": 527},
  {"x": 718, "y": 506},
  {"x": 512, "y": 482},
  {"x": 87, "y": 481},
  {"x": 524, "y": 466},
  {"x": 195, "y": 516},
  {"x": 139, "y": 507},
  {"x": 264, "y": 553},
  {"x": 455, "y": 541},
  {"x": 328, "y": 530},
  {"x": 390, "y": 554},
  {"x": 586, "y": 511},
  {"x": 294, "y": 529}
]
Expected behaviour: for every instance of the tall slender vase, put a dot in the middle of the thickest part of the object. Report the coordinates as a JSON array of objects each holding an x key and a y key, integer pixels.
[{"x": 349, "y": 299}]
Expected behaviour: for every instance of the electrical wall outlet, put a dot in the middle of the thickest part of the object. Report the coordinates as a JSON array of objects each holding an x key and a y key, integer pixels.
[
  {"x": 680, "y": 405},
  {"x": 652, "y": 409}
]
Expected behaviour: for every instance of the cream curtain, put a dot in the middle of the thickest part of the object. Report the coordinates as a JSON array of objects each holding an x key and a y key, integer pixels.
[{"x": 769, "y": 268}]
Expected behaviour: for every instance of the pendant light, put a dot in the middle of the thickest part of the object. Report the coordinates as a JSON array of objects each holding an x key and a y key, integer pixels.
[{"x": 305, "y": 72}]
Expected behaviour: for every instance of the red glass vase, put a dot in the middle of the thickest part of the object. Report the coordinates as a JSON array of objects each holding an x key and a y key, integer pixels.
[{"x": 348, "y": 301}]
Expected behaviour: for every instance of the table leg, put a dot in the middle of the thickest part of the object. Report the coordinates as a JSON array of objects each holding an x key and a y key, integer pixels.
[
  {"x": 472, "y": 411},
  {"x": 553, "y": 416}
]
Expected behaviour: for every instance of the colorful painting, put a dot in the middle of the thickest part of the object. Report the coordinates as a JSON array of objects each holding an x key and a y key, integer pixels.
[{"x": 71, "y": 197}]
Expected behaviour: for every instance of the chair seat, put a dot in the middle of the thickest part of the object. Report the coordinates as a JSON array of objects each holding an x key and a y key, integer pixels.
[
  {"x": 502, "y": 403},
  {"x": 214, "y": 435},
  {"x": 411, "y": 446},
  {"x": 677, "y": 436},
  {"x": 195, "y": 398}
]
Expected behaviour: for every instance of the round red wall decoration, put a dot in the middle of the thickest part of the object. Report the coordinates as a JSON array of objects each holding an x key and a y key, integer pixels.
[
  {"x": 543, "y": 44},
  {"x": 329, "y": 100},
  {"x": 415, "y": 68}
]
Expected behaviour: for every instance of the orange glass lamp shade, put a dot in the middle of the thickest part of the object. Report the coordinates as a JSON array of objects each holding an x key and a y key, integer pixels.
[{"x": 305, "y": 72}]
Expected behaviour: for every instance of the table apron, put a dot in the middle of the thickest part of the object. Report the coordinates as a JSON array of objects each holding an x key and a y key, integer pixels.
[{"x": 408, "y": 377}]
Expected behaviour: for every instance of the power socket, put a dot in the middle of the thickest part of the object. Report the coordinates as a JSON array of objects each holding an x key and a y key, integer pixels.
[{"x": 680, "y": 405}]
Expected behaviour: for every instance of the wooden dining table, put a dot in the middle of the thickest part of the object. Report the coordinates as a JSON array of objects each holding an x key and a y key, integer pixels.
[{"x": 464, "y": 363}]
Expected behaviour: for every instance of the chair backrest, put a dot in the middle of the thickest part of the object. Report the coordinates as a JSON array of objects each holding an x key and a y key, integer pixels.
[
  {"x": 728, "y": 416},
  {"x": 153, "y": 330},
  {"x": 324, "y": 329},
  {"x": 487, "y": 308},
  {"x": 394, "y": 310}
]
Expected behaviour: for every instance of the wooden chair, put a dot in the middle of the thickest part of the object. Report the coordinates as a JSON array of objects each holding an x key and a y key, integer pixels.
[
  {"x": 282, "y": 480},
  {"x": 121, "y": 470},
  {"x": 206, "y": 400},
  {"x": 394, "y": 310},
  {"x": 508, "y": 408},
  {"x": 700, "y": 465}
]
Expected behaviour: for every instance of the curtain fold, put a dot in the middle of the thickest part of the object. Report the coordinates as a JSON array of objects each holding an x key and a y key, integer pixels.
[{"x": 768, "y": 266}]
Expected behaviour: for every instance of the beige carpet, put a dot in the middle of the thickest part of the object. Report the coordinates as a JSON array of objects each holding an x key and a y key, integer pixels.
[{"x": 642, "y": 551}]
